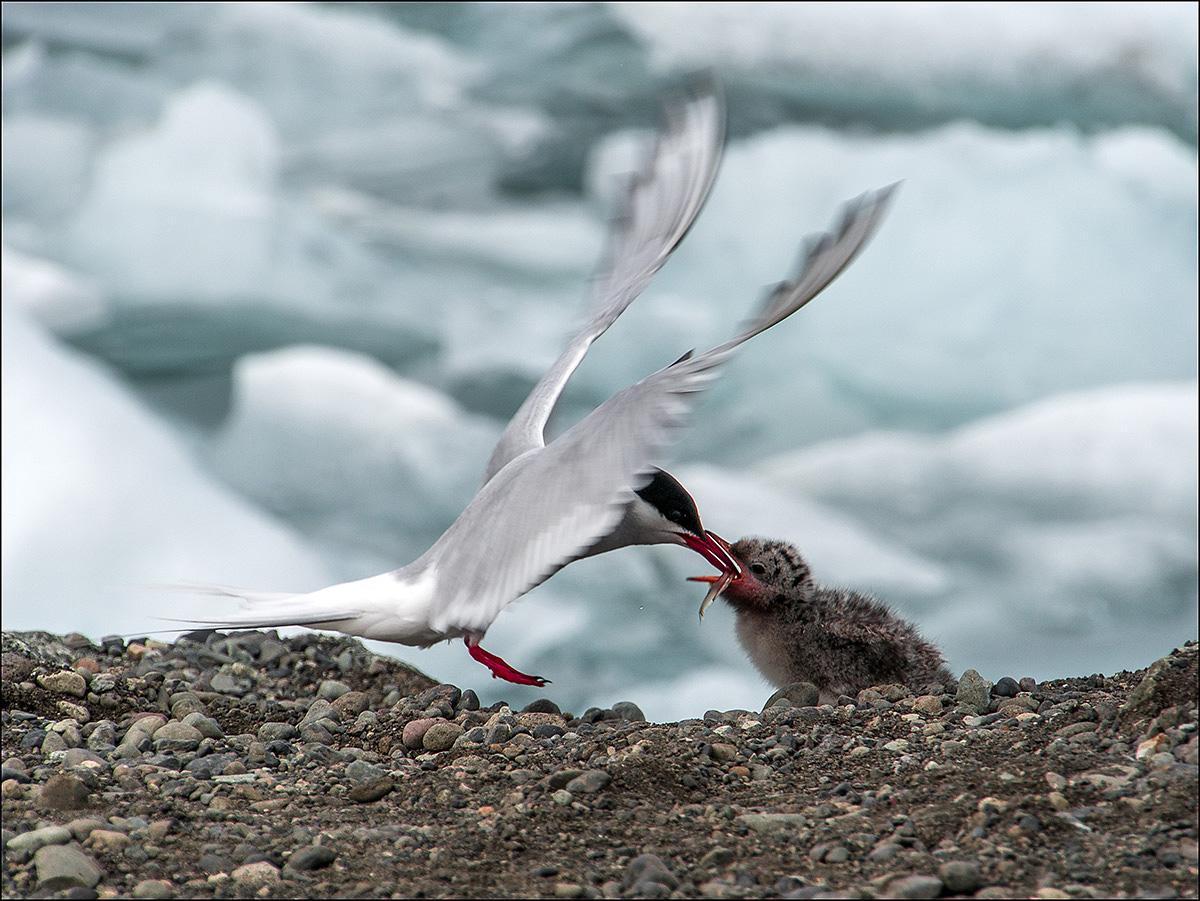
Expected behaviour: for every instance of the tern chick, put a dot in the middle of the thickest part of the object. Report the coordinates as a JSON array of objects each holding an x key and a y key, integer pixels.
[{"x": 797, "y": 631}]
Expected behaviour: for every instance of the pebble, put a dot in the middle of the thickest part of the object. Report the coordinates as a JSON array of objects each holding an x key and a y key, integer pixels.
[
  {"x": 795, "y": 694},
  {"x": 589, "y": 783},
  {"x": 645, "y": 871},
  {"x": 974, "y": 692},
  {"x": 369, "y": 792},
  {"x": 154, "y": 889},
  {"x": 961, "y": 877},
  {"x": 63, "y": 793},
  {"x": 253, "y": 876},
  {"x": 39, "y": 838},
  {"x": 918, "y": 886},
  {"x": 314, "y": 857},
  {"x": 441, "y": 736},
  {"x": 64, "y": 682},
  {"x": 64, "y": 867}
]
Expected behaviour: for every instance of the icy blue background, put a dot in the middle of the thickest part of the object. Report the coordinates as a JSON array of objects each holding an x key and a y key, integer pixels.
[{"x": 275, "y": 275}]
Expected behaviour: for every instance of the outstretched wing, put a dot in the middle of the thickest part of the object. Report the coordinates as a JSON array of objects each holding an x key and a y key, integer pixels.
[
  {"x": 551, "y": 504},
  {"x": 663, "y": 201}
]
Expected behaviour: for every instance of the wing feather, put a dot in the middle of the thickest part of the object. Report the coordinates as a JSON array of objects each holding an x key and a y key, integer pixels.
[
  {"x": 559, "y": 500},
  {"x": 661, "y": 204}
]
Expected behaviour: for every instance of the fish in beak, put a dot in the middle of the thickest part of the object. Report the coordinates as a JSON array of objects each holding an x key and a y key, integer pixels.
[{"x": 731, "y": 571}]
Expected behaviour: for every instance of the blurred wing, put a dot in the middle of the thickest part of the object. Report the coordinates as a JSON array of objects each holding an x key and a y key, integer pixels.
[
  {"x": 663, "y": 201},
  {"x": 551, "y": 504}
]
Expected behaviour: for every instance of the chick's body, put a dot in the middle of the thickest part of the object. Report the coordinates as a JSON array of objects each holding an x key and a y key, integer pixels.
[{"x": 839, "y": 640}]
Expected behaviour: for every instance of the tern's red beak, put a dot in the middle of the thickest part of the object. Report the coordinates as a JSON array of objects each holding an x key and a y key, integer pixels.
[{"x": 716, "y": 550}]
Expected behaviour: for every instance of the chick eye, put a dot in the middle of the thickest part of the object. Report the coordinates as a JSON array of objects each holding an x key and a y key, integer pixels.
[
  {"x": 675, "y": 516},
  {"x": 758, "y": 569}
]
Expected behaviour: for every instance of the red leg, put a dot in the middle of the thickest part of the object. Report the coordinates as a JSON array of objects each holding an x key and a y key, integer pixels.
[{"x": 500, "y": 669}]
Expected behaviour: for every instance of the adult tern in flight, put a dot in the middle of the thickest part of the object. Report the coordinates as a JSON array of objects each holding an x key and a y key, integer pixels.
[{"x": 594, "y": 488}]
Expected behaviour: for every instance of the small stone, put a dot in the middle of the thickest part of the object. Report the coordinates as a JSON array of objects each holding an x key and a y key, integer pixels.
[
  {"x": 915, "y": 887},
  {"x": 352, "y": 703},
  {"x": 589, "y": 783},
  {"x": 723, "y": 752},
  {"x": 961, "y": 877},
  {"x": 414, "y": 732},
  {"x": 627, "y": 710},
  {"x": 568, "y": 890},
  {"x": 205, "y": 725},
  {"x": 269, "y": 732},
  {"x": 928, "y": 705},
  {"x": 154, "y": 889},
  {"x": 40, "y": 838},
  {"x": 63, "y": 793},
  {"x": 253, "y": 876},
  {"x": 332, "y": 689},
  {"x": 974, "y": 692},
  {"x": 771, "y": 822},
  {"x": 62, "y": 867},
  {"x": 175, "y": 736},
  {"x": 369, "y": 792},
  {"x": 64, "y": 682},
  {"x": 361, "y": 771},
  {"x": 897, "y": 746},
  {"x": 441, "y": 736},
  {"x": 314, "y": 857},
  {"x": 562, "y": 797},
  {"x": 794, "y": 694},
  {"x": 1007, "y": 687},
  {"x": 648, "y": 868},
  {"x": 106, "y": 841},
  {"x": 717, "y": 857}
]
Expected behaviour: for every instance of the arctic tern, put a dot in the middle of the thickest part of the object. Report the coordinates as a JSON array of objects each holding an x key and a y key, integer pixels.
[{"x": 594, "y": 488}]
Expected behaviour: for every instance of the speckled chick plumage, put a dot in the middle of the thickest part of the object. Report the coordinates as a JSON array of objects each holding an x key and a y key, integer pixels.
[{"x": 840, "y": 640}]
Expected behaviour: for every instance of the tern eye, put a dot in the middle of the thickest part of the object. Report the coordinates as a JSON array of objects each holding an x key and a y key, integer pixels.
[{"x": 758, "y": 569}]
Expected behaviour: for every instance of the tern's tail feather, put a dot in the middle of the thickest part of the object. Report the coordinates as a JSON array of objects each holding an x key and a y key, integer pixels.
[
  {"x": 392, "y": 607},
  {"x": 270, "y": 609}
]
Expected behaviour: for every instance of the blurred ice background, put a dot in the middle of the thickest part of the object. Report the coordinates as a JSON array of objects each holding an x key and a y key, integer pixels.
[{"x": 275, "y": 275}]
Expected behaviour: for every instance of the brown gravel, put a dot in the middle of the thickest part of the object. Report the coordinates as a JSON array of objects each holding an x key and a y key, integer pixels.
[{"x": 253, "y": 766}]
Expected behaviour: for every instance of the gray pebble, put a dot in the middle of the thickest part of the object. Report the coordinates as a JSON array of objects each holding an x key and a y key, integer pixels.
[
  {"x": 648, "y": 868},
  {"x": 974, "y": 692},
  {"x": 39, "y": 838},
  {"x": 771, "y": 822},
  {"x": 314, "y": 857},
  {"x": 441, "y": 736},
  {"x": 369, "y": 792},
  {"x": 64, "y": 682},
  {"x": 63, "y": 793},
  {"x": 962, "y": 877},
  {"x": 717, "y": 857},
  {"x": 352, "y": 703},
  {"x": 361, "y": 771},
  {"x": 177, "y": 737},
  {"x": 61, "y": 867},
  {"x": 153, "y": 889},
  {"x": 269, "y": 732},
  {"x": 794, "y": 694},
  {"x": 332, "y": 689},
  {"x": 627, "y": 710},
  {"x": 205, "y": 725},
  {"x": 915, "y": 887},
  {"x": 1007, "y": 687},
  {"x": 186, "y": 702},
  {"x": 589, "y": 783}
]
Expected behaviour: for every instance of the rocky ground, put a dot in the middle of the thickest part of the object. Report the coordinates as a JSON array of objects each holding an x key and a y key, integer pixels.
[{"x": 253, "y": 766}]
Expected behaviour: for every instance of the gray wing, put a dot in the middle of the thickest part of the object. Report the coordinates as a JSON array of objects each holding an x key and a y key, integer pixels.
[
  {"x": 551, "y": 504},
  {"x": 662, "y": 203}
]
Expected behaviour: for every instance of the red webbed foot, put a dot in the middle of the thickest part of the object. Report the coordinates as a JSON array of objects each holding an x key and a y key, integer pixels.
[{"x": 500, "y": 669}]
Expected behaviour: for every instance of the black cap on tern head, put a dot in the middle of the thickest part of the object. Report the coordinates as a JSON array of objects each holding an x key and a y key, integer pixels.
[{"x": 664, "y": 493}]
